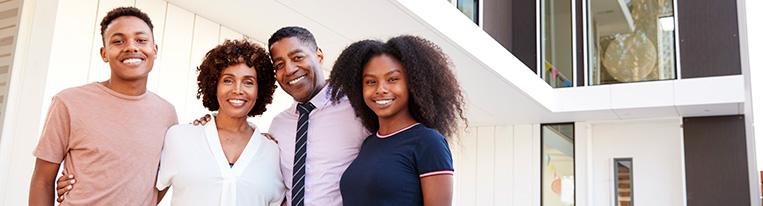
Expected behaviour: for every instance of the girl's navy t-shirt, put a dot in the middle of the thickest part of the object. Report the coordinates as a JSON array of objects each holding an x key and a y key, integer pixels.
[{"x": 387, "y": 170}]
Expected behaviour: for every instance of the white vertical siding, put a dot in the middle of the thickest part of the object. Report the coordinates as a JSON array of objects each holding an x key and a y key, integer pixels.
[
  {"x": 485, "y": 165},
  {"x": 504, "y": 165},
  {"x": 497, "y": 165},
  {"x": 466, "y": 172}
]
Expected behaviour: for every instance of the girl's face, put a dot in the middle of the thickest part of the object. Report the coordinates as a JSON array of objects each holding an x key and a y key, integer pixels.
[
  {"x": 237, "y": 90},
  {"x": 385, "y": 87}
]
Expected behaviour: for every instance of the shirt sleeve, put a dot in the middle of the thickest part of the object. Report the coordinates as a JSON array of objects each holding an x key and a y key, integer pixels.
[
  {"x": 54, "y": 140},
  {"x": 168, "y": 163},
  {"x": 433, "y": 156}
]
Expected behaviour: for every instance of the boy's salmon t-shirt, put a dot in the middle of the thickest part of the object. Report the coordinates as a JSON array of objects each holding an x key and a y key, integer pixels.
[{"x": 111, "y": 142}]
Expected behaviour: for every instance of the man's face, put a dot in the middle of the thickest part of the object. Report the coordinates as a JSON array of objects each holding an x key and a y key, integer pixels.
[
  {"x": 298, "y": 68},
  {"x": 129, "y": 49}
]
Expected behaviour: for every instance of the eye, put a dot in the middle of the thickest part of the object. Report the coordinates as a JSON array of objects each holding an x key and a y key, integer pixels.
[
  {"x": 118, "y": 41},
  {"x": 279, "y": 65},
  {"x": 142, "y": 40},
  {"x": 370, "y": 82},
  {"x": 298, "y": 58},
  {"x": 249, "y": 83},
  {"x": 227, "y": 81},
  {"x": 393, "y": 79}
]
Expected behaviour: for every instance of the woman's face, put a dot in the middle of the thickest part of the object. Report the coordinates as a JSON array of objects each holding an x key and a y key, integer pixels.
[
  {"x": 237, "y": 90},
  {"x": 385, "y": 87}
]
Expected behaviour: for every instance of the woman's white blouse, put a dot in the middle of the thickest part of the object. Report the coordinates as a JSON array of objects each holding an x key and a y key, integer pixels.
[{"x": 194, "y": 164}]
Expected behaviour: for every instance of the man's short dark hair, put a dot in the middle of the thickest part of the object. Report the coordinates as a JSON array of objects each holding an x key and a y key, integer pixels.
[
  {"x": 293, "y": 31},
  {"x": 125, "y": 11}
]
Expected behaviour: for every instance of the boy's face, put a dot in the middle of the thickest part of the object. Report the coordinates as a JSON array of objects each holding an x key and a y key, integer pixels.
[{"x": 129, "y": 49}]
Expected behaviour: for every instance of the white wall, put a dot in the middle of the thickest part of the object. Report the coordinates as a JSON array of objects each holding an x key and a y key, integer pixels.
[
  {"x": 656, "y": 147},
  {"x": 497, "y": 165},
  {"x": 58, "y": 48}
]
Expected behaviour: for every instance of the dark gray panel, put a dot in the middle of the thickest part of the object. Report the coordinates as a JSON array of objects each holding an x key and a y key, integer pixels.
[
  {"x": 580, "y": 81},
  {"x": 716, "y": 161},
  {"x": 512, "y": 24},
  {"x": 496, "y": 20},
  {"x": 523, "y": 38},
  {"x": 709, "y": 38}
]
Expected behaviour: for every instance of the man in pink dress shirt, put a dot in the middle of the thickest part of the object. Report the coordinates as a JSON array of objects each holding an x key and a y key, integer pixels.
[{"x": 334, "y": 134}]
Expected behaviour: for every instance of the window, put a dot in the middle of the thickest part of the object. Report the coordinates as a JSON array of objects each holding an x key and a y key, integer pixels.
[
  {"x": 558, "y": 165},
  {"x": 556, "y": 44},
  {"x": 623, "y": 176},
  {"x": 630, "y": 41},
  {"x": 470, "y": 8}
]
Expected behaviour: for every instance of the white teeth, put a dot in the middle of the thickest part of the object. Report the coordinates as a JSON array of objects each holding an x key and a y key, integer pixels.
[
  {"x": 296, "y": 80},
  {"x": 132, "y": 61},
  {"x": 236, "y": 101},
  {"x": 383, "y": 102}
]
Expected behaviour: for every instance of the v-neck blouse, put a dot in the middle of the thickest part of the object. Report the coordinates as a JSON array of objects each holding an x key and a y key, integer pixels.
[{"x": 194, "y": 163}]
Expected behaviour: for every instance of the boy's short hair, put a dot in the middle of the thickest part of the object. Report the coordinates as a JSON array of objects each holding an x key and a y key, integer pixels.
[{"x": 125, "y": 11}]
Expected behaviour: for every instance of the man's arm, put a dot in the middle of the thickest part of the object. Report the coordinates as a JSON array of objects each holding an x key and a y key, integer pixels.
[{"x": 41, "y": 189}]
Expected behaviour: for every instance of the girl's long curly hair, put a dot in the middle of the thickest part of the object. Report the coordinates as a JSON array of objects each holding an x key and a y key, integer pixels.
[
  {"x": 435, "y": 96},
  {"x": 230, "y": 53}
]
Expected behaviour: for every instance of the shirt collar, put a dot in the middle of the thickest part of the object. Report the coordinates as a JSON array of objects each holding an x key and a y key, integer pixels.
[{"x": 320, "y": 100}]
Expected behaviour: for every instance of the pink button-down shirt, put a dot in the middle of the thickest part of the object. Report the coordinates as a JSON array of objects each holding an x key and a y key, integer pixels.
[{"x": 334, "y": 136}]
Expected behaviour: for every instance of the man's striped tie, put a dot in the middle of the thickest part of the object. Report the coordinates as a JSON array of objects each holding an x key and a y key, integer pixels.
[{"x": 300, "y": 155}]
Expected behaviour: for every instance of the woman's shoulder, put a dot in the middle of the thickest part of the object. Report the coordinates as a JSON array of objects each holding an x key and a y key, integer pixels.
[{"x": 183, "y": 133}]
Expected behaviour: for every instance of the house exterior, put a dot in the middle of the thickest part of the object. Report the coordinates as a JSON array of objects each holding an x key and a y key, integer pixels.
[{"x": 599, "y": 102}]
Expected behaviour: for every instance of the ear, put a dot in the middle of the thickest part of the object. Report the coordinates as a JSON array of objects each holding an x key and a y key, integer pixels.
[
  {"x": 156, "y": 51},
  {"x": 319, "y": 53},
  {"x": 103, "y": 55}
]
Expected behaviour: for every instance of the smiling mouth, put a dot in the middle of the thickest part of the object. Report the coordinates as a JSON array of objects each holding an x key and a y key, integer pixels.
[
  {"x": 237, "y": 102},
  {"x": 383, "y": 102},
  {"x": 292, "y": 82},
  {"x": 132, "y": 61}
]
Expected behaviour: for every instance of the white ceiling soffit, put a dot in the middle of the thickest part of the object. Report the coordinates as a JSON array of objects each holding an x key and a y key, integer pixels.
[{"x": 499, "y": 88}]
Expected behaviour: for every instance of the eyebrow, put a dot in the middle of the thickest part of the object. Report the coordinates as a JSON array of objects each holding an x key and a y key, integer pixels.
[
  {"x": 122, "y": 34},
  {"x": 246, "y": 76},
  {"x": 298, "y": 50},
  {"x": 388, "y": 73}
]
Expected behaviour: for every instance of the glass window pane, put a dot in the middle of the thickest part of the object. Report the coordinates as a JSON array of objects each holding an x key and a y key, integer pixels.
[
  {"x": 558, "y": 178},
  {"x": 631, "y": 41},
  {"x": 557, "y": 43},
  {"x": 623, "y": 181},
  {"x": 469, "y": 8}
]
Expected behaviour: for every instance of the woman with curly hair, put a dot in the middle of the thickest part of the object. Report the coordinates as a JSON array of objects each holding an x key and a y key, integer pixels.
[
  {"x": 405, "y": 91},
  {"x": 227, "y": 161}
]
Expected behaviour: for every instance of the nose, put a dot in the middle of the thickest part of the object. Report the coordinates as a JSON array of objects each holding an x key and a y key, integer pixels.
[
  {"x": 381, "y": 88},
  {"x": 237, "y": 88},
  {"x": 290, "y": 68},
  {"x": 132, "y": 46}
]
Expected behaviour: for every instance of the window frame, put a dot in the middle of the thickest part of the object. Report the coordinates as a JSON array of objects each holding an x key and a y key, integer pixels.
[{"x": 574, "y": 161}]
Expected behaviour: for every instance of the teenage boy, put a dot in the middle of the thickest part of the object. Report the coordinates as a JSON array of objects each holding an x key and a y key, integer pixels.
[{"x": 109, "y": 134}]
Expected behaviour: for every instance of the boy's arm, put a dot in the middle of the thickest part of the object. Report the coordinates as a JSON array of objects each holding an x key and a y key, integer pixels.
[{"x": 42, "y": 189}]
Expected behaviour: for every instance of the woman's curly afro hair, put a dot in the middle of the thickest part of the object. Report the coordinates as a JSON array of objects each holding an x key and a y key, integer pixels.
[
  {"x": 435, "y": 97},
  {"x": 230, "y": 53}
]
